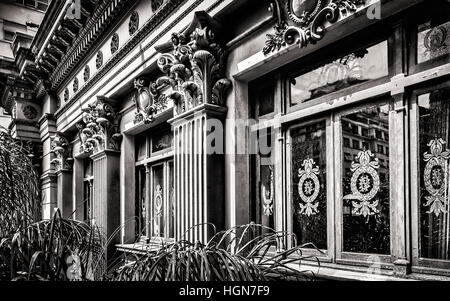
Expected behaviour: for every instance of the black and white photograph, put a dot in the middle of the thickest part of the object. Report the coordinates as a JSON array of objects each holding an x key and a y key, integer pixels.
[{"x": 226, "y": 148}]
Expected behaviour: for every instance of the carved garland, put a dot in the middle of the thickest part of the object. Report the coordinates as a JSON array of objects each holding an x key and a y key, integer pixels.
[
  {"x": 99, "y": 129},
  {"x": 302, "y": 21},
  {"x": 60, "y": 147}
]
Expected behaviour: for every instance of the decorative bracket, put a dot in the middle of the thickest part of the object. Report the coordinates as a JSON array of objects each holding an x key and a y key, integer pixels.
[{"x": 302, "y": 22}]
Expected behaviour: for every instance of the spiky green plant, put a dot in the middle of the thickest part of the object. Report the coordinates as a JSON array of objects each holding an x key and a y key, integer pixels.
[
  {"x": 237, "y": 254},
  {"x": 19, "y": 186}
]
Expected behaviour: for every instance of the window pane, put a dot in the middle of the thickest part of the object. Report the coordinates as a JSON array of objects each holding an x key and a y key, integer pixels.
[
  {"x": 171, "y": 209},
  {"x": 355, "y": 68},
  {"x": 158, "y": 201},
  {"x": 141, "y": 147},
  {"x": 432, "y": 42},
  {"x": 264, "y": 205},
  {"x": 366, "y": 182},
  {"x": 161, "y": 140},
  {"x": 434, "y": 135},
  {"x": 309, "y": 184},
  {"x": 141, "y": 206},
  {"x": 262, "y": 96}
]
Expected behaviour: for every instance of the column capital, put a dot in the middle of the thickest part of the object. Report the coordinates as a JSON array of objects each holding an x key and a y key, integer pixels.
[
  {"x": 62, "y": 150},
  {"x": 100, "y": 127}
]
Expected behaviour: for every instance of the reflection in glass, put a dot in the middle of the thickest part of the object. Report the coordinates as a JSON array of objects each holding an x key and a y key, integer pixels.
[
  {"x": 432, "y": 42},
  {"x": 366, "y": 213},
  {"x": 355, "y": 68},
  {"x": 141, "y": 202},
  {"x": 434, "y": 137},
  {"x": 161, "y": 140},
  {"x": 264, "y": 200},
  {"x": 263, "y": 96},
  {"x": 171, "y": 204},
  {"x": 158, "y": 215},
  {"x": 309, "y": 184}
]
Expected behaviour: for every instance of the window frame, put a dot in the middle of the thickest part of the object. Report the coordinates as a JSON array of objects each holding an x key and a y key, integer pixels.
[
  {"x": 361, "y": 259},
  {"x": 328, "y": 254},
  {"x": 357, "y": 42},
  {"x": 418, "y": 262}
]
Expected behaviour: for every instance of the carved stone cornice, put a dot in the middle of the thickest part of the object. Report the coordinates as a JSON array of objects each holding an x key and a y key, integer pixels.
[
  {"x": 302, "y": 22},
  {"x": 99, "y": 130},
  {"x": 165, "y": 10},
  {"x": 194, "y": 69},
  {"x": 61, "y": 148}
]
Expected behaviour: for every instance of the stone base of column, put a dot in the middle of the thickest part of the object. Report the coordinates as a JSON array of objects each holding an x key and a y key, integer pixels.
[{"x": 402, "y": 268}]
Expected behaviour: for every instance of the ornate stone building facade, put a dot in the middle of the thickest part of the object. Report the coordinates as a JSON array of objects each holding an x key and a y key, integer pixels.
[{"x": 327, "y": 119}]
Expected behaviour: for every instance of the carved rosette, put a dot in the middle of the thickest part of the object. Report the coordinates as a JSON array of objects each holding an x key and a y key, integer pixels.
[
  {"x": 61, "y": 149},
  {"x": 195, "y": 68},
  {"x": 99, "y": 130},
  {"x": 148, "y": 100},
  {"x": 303, "y": 22}
]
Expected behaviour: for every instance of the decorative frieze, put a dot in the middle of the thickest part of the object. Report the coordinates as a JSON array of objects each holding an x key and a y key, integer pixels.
[
  {"x": 99, "y": 129},
  {"x": 195, "y": 68},
  {"x": 61, "y": 149},
  {"x": 302, "y": 22}
]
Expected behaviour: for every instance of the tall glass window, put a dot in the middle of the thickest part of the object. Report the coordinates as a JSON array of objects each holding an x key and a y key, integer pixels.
[
  {"x": 366, "y": 196},
  {"x": 434, "y": 137},
  {"x": 309, "y": 193}
]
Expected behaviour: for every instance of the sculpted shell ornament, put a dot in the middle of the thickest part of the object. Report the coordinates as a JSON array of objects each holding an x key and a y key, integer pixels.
[
  {"x": 364, "y": 184},
  {"x": 302, "y": 22},
  {"x": 436, "y": 176},
  {"x": 308, "y": 187}
]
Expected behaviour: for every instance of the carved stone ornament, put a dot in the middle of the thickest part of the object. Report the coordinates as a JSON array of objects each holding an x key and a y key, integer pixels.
[
  {"x": 75, "y": 85},
  {"x": 194, "y": 70},
  {"x": 133, "y": 25},
  {"x": 302, "y": 22},
  {"x": 87, "y": 73},
  {"x": 267, "y": 195},
  {"x": 30, "y": 112},
  {"x": 364, "y": 184},
  {"x": 148, "y": 100},
  {"x": 114, "y": 43},
  {"x": 60, "y": 147},
  {"x": 309, "y": 188},
  {"x": 66, "y": 95},
  {"x": 436, "y": 176},
  {"x": 99, "y": 60},
  {"x": 99, "y": 130}
]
